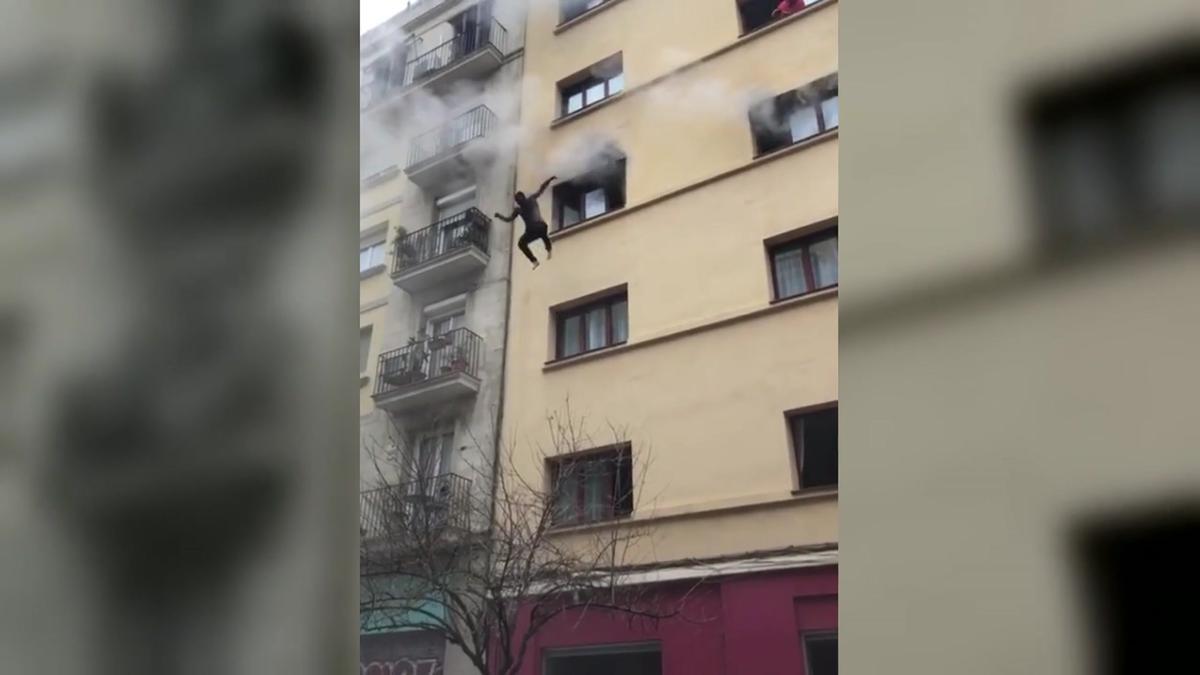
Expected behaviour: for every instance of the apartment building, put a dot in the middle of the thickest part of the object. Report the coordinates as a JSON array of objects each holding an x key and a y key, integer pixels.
[
  {"x": 692, "y": 303},
  {"x": 438, "y": 92}
]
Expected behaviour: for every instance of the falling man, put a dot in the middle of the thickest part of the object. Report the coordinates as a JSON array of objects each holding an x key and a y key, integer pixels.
[{"x": 535, "y": 226}]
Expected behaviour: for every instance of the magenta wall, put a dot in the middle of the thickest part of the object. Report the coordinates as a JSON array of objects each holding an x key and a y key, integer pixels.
[{"x": 744, "y": 625}]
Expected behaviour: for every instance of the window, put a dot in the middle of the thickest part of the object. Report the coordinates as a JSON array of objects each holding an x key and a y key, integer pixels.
[
  {"x": 436, "y": 326},
  {"x": 796, "y": 115},
  {"x": 644, "y": 659},
  {"x": 364, "y": 348},
  {"x": 1132, "y": 562},
  {"x": 434, "y": 453},
  {"x": 449, "y": 214},
  {"x": 1114, "y": 152},
  {"x": 758, "y": 13},
  {"x": 591, "y": 195},
  {"x": 454, "y": 204},
  {"x": 805, "y": 265},
  {"x": 593, "y": 326},
  {"x": 573, "y": 8},
  {"x": 591, "y": 86},
  {"x": 820, "y": 654},
  {"x": 370, "y": 257},
  {"x": 815, "y": 441},
  {"x": 592, "y": 487}
]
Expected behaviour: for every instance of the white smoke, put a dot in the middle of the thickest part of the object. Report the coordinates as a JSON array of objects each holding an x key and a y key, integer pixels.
[{"x": 583, "y": 154}]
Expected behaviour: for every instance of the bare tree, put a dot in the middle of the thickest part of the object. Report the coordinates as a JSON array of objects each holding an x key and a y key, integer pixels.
[{"x": 487, "y": 569}]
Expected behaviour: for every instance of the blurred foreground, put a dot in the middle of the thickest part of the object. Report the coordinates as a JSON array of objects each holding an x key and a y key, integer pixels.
[
  {"x": 1022, "y": 464},
  {"x": 176, "y": 489}
]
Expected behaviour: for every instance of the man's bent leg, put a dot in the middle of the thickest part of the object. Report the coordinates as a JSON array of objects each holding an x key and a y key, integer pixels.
[{"x": 523, "y": 244}]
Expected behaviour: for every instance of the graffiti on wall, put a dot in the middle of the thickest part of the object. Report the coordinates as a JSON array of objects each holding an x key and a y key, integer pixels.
[
  {"x": 402, "y": 667},
  {"x": 402, "y": 653}
]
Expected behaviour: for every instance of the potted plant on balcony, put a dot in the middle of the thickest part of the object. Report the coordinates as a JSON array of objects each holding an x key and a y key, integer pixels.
[
  {"x": 411, "y": 366},
  {"x": 408, "y": 254}
]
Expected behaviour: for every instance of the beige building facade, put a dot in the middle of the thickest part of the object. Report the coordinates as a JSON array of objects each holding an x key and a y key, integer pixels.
[{"x": 707, "y": 358}]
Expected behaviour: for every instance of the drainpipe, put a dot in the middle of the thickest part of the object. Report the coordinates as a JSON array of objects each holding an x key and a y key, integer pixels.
[{"x": 512, "y": 188}]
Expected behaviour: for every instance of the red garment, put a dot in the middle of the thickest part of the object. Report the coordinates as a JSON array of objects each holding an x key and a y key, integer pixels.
[{"x": 787, "y": 7}]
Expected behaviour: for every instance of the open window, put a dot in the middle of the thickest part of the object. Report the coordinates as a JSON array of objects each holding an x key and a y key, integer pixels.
[
  {"x": 820, "y": 653},
  {"x": 591, "y": 85},
  {"x": 574, "y": 8},
  {"x": 371, "y": 250},
  {"x": 756, "y": 14},
  {"x": 364, "y": 348},
  {"x": 795, "y": 116},
  {"x": 1113, "y": 152},
  {"x": 591, "y": 195},
  {"x": 815, "y": 443},
  {"x": 592, "y": 486},
  {"x": 1136, "y": 565}
]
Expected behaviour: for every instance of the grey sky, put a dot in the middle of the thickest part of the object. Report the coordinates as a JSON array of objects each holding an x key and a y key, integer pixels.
[{"x": 371, "y": 13}]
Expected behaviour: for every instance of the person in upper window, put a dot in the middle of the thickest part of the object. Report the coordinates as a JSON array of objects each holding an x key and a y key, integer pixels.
[{"x": 789, "y": 7}]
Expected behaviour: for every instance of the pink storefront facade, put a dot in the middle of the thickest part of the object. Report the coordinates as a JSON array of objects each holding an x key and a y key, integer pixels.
[{"x": 752, "y": 624}]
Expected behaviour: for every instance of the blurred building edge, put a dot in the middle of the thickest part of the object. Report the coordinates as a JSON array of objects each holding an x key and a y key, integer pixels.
[
  {"x": 175, "y": 468},
  {"x": 1015, "y": 372}
]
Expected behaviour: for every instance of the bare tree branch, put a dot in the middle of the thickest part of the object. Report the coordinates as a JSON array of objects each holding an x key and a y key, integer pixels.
[{"x": 489, "y": 559}]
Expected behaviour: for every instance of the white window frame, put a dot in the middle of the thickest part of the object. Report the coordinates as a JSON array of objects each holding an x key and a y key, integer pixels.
[
  {"x": 369, "y": 333},
  {"x": 369, "y": 239}
]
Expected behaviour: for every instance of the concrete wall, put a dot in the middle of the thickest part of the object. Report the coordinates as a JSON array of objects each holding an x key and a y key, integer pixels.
[{"x": 711, "y": 365}]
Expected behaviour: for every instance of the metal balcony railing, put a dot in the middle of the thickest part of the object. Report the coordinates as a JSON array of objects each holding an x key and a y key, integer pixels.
[
  {"x": 446, "y": 236},
  {"x": 435, "y": 143},
  {"x": 423, "y": 361},
  {"x": 415, "y": 508},
  {"x": 455, "y": 50}
]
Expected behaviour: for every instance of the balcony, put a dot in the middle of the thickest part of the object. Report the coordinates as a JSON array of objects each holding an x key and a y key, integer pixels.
[
  {"x": 470, "y": 55},
  {"x": 416, "y": 509},
  {"x": 437, "y": 158},
  {"x": 429, "y": 372},
  {"x": 442, "y": 255}
]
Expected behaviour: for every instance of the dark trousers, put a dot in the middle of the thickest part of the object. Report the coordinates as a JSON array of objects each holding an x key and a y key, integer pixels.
[{"x": 533, "y": 233}]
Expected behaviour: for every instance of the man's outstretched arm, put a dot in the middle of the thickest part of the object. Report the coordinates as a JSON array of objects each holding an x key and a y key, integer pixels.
[
  {"x": 542, "y": 189},
  {"x": 507, "y": 219}
]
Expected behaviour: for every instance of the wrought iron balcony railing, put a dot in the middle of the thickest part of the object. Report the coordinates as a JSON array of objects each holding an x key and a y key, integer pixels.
[
  {"x": 444, "y": 237},
  {"x": 439, "y": 142},
  {"x": 416, "y": 508},
  {"x": 455, "y": 50},
  {"x": 425, "y": 361}
]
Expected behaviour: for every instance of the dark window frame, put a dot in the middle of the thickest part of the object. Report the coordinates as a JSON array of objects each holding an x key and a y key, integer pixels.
[
  {"x": 779, "y": 108},
  {"x": 602, "y": 72},
  {"x": 805, "y": 243},
  {"x": 566, "y": 15},
  {"x": 617, "y": 463},
  {"x": 612, "y": 182},
  {"x": 816, "y": 635},
  {"x": 796, "y": 437},
  {"x": 581, "y": 311},
  {"x": 769, "y": 19}
]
